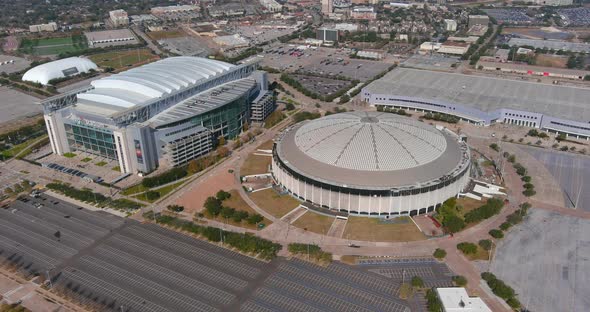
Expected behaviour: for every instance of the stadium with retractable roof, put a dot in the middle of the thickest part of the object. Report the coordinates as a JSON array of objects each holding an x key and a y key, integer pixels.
[
  {"x": 169, "y": 111},
  {"x": 371, "y": 163}
]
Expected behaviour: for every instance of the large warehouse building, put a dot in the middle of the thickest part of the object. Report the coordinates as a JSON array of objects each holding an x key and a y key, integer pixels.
[
  {"x": 172, "y": 111},
  {"x": 485, "y": 100},
  {"x": 371, "y": 163}
]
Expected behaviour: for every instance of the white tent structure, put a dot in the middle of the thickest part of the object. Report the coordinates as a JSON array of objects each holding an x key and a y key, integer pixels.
[{"x": 58, "y": 69}]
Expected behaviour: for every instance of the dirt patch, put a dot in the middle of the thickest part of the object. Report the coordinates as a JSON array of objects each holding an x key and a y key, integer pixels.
[{"x": 194, "y": 197}]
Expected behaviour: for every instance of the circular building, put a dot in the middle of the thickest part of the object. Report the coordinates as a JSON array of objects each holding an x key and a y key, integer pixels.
[{"x": 371, "y": 163}]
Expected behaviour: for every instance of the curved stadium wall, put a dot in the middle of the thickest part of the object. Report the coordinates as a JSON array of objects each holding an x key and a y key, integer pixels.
[{"x": 410, "y": 198}]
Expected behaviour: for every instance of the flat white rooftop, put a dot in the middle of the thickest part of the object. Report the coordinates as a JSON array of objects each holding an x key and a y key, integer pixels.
[{"x": 455, "y": 299}]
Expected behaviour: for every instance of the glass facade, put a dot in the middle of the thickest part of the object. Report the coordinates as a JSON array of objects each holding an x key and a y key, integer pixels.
[
  {"x": 92, "y": 140},
  {"x": 226, "y": 120}
]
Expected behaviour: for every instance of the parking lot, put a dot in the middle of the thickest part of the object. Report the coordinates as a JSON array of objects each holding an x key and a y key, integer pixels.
[
  {"x": 109, "y": 263},
  {"x": 300, "y": 286},
  {"x": 575, "y": 16},
  {"x": 512, "y": 16},
  {"x": 187, "y": 46},
  {"x": 321, "y": 85},
  {"x": 16, "y": 105},
  {"x": 545, "y": 260},
  {"x": 10, "y": 64},
  {"x": 571, "y": 172},
  {"x": 432, "y": 272},
  {"x": 323, "y": 61}
]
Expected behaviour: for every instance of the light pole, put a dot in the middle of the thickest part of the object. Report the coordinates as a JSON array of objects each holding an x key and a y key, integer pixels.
[{"x": 49, "y": 277}]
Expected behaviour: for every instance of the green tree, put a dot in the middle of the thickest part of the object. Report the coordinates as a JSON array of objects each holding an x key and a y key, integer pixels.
[
  {"x": 439, "y": 253},
  {"x": 227, "y": 212},
  {"x": 453, "y": 223},
  {"x": 255, "y": 218},
  {"x": 222, "y": 195},
  {"x": 175, "y": 208},
  {"x": 495, "y": 233},
  {"x": 467, "y": 248},
  {"x": 213, "y": 206},
  {"x": 152, "y": 195},
  {"x": 417, "y": 282},
  {"x": 485, "y": 244},
  {"x": 459, "y": 280}
]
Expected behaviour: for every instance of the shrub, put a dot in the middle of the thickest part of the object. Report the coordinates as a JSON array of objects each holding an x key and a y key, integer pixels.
[
  {"x": 459, "y": 280},
  {"x": 495, "y": 147},
  {"x": 255, "y": 218},
  {"x": 512, "y": 158},
  {"x": 520, "y": 169},
  {"x": 526, "y": 179},
  {"x": 69, "y": 155},
  {"x": 432, "y": 301},
  {"x": 492, "y": 207},
  {"x": 439, "y": 253},
  {"x": 152, "y": 195},
  {"x": 513, "y": 303},
  {"x": 487, "y": 276},
  {"x": 175, "y": 208},
  {"x": 533, "y": 132},
  {"x": 564, "y": 148},
  {"x": 528, "y": 186},
  {"x": 495, "y": 233},
  {"x": 515, "y": 218},
  {"x": 417, "y": 282},
  {"x": 505, "y": 226},
  {"x": 164, "y": 178},
  {"x": 485, "y": 244},
  {"x": 467, "y": 248},
  {"x": 529, "y": 192}
]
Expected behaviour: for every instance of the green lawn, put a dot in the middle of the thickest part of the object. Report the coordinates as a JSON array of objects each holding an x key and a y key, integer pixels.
[
  {"x": 163, "y": 191},
  {"x": 20, "y": 147},
  {"x": 122, "y": 59},
  {"x": 51, "y": 46}
]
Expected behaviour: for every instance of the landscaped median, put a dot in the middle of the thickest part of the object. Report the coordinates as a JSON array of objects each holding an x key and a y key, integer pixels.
[
  {"x": 94, "y": 198},
  {"x": 245, "y": 243},
  {"x": 310, "y": 252}
]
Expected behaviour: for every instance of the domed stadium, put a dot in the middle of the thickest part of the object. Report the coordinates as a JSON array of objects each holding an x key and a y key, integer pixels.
[{"x": 371, "y": 163}]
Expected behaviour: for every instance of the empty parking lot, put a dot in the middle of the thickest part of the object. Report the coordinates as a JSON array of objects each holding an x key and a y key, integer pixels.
[
  {"x": 109, "y": 263},
  {"x": 545, "y": 260}
]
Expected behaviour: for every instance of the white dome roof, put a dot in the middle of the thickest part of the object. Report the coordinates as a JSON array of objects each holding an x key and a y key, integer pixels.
[
  {"x": 58, "y": 69},
  {"x": 370, "y": 141}
]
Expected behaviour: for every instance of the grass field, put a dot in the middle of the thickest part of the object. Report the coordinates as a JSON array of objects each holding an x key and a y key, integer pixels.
[
  {"x": 274, "y": 203},
  {"x": 122, "y": 59},
  {"x": 468, "y": 204},
  {"x": 236, "y": 202},
  {"x": 165, "y": 34},
  {"x": 551, "y": 61},
  {"x": 314, "y": 222},
  {"x": 163, "y": 192},
  {"x": 370, "y": 229},
  {"x": 52, "y": 46}
]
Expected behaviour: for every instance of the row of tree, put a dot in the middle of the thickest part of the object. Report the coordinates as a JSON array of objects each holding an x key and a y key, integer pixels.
[
  {"x": 314, "y": 251},
  {"x": 246, "y": 243},
  {"x": 500, "y": 289},
  {"x": 441, "y": 117}
]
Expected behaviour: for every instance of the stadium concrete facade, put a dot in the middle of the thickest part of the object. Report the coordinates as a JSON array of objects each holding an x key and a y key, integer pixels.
[
  {"x": 169, "y": 111},
  {"x": 484, "y": 100},
  {"x": 371, "y": 164}
]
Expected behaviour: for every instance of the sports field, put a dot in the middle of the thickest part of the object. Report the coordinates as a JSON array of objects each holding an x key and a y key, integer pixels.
[
  {"x": 123, "y": 59},
  {"x": 52, "y": 46}
]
